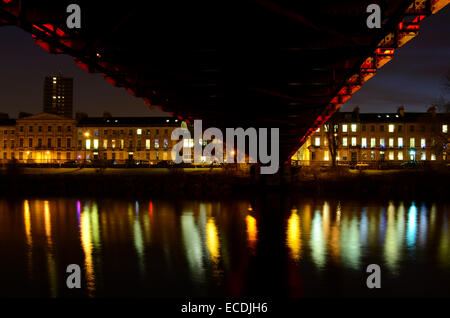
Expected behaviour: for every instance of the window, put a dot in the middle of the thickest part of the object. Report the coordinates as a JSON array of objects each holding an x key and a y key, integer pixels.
[
  {"x": 95, "y": 143},
  {"x": 39, "y": 142},
  {"x": 96, "y": 132},
  {"x": 139, "y": 131},
  {"x": 30, "y": 129},
  {"x": 156, "y": 143},
  {"x": 139, "y": 144},
  {"x": 21, "y": 142},
  {"x": 372, "y": 128},
  {"x": 130, "y": 132},
  {"x": 148, "y": 131},
  {"x": 317, "y": 141},
  {"x": 69, "y": 128},
  {"x": 113, "y": 143},
  {"x": 344, "y": 142},
  {"x": 423, "y": 156},
  {"x": 39, "y": 128},
  {"x": 21, "y": 128},
  {"x": 433, "y": 156},
  {"x": 49, "y": 128},
  {"x": 353, "y": 141},
  {"x": 20, "y": 155},
  {"x": 68, "y": 156},
  {"x": 445, "y": 129},
  {"x": 400, "y": 155},
  {"x": 411, "y": 128},
  {"x": 12, "y": 143},
  {"x": 157, "y": 131},
  {"x": 147, "y": 144},
  {"x": 166, "y": 144},
  {"x": 391, "y": 128},
  {"x": 59, "y": 142},
  {"x": 79, "y": 144},
  {"x": 313, "y": 156},
  {"x": 391, "y": 155},
  {"x": 166, "y": 131},
  {"x": 59, "y": 129},
  {"x": 30, "y": 142},
  {"x": 391, "y": 142},
  {"x": 122, "y": 143},
  {"x": 364, "y": 142},
  {"x": 422, "y": 128},
  {"x": 423, "y": 143},
  {"x": 382, "y": 128},
  {"x": 400, "y": 128},
  {"x": 88, "y": 144},
  {"x": 49, "y": 142},
  {"x": 353, "y": 127},
  {"x": 363, "y": 127},
  {"x": 344, "y": 128},
  {"x": 400, "y": 142},
  {"x": 326, "y": 155},
  {"x": 412, "y": 143},
  {"x": 130, "y": 143},
  {"x": 105, "y": 143},
  {"x": 69, "y": 142},
  {"x": 188, "y": 143},
  {"x": 382, "y": 143},
  {"x": 58, "y": 156},
  {"x": 373, "y": 142}
]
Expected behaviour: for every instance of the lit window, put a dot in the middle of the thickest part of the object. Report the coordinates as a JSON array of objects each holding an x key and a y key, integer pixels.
[
  {"x": 105, "y": 143},
  {"x": 423, "y": 143},
  {"x": 445, "y": 129},
  {"x": 412, "y": 143},
  {"x": 364, "y": 142},
  {"x": 391, "y": 142},
  {"x": 121, "y": 143},
  {"x": 344, "y": 128},
  {"x": 147, "y": 144},
  {"x": 88, "y": 144},
  {"x": 139, "y": 131},
  {"x": 391, "y": 155},
  {"x": 344, "y": 141},
  {"x": 391, "y": 128},
  {"x": 113, "y": 143},
  {"x": 400, "y": 142},
  {"x": 373, "y": 142},
  {"x": 353, "y": 127},
  {"x": 400, "y": 155},
  {"x": 188, "y": 143},
  {"x": 353, "y": 141},
  {"x": 95, "y": 143},
  {"x": 382, "y": 144},
  {"x": 433, "y": 156},
  {"x": 326, "y": 155},
  {"x": 317, "y": 142},
  {"x": 318, "y": 130},
  {"x": 156, "y": 143},
  {"x": 423, "y": 156}
]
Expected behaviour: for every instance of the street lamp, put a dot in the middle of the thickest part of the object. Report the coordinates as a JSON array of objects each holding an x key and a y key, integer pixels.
[{"x": 86, "y": 135}]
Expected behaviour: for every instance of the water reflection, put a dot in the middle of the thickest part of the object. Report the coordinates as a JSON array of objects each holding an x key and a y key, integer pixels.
[{"x": 206, "y": 247}]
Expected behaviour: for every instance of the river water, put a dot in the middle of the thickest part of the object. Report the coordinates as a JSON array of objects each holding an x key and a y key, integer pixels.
[{"x": 271, "y": 246}]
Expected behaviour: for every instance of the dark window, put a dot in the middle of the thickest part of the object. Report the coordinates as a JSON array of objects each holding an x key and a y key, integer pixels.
[
  {"x": 166, "y": 131},
  {"x": 363, "y": 128},
  {"x": 30, "y": 142},
  {"x": 40, "y": 128},
  {"x": 105, "y": 132},
  {"x": 69, "y": 142},
  {"x": 5, "y": 132},
  {"x": 39, "y": 142},
  {"x": 422, "y": 128},
  {"x": 400, "y": 128},
  {"x": 59, "y": 128},
  {"x": 79, "y": 144},
  {"x": 313, "y": 156},
  {"x": 30, "y": 129},
  {"x": 382, "y": 128},
  {"x": 49, "y": 142},
  {"x": 157, "y": 131},
  {"x": 411, "y": 128},
  {"x": 372, "y": 128},
  {"x": 59, "y": 142},
  {"x": 21, "y": 142},
  {"x": 49, "y": 128},
  {"x": 130, "y": 132},
  {"x": 69, "y": 128},
  {"x": 21, "y": 128}
]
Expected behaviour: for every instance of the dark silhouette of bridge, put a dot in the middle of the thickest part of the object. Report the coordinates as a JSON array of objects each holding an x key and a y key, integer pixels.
[{"x": 258, "y": 63}]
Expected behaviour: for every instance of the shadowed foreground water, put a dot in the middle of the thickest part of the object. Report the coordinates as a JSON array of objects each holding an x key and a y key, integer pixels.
[{"x": 267, "y": 247}]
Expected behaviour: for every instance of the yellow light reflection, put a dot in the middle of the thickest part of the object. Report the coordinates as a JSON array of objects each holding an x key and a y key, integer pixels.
[
  {"x": 252, "y": 232},
  {"x": 294, "y": 235},
  {"x": 86, "y": 243},
  {"x": 212, "y": 240},
  {"x": 50, "y": 254},
  {"x": 27, "y": 220}
]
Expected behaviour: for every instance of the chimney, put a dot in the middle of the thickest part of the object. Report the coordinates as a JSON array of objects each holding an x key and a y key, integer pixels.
[
  {"x": 401, "y": 111},
  {"x": 432, "y": 110}
]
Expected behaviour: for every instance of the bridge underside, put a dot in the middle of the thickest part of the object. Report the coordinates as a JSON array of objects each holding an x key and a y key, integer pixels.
[{"x": 260, "y": 63}]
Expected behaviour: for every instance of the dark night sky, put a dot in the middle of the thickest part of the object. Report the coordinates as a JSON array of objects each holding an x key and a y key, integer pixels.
[{"x": 414, "y": 78}]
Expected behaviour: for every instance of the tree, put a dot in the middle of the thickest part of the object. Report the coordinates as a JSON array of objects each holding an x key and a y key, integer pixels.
[{"x": 331, "y": 131}]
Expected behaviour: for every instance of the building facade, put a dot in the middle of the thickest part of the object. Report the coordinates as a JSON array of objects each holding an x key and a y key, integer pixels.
[
  {"x": 58, "y": 95},
  {"x": 379, "y": 139},
  {"x": 49, "y": 138}
]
